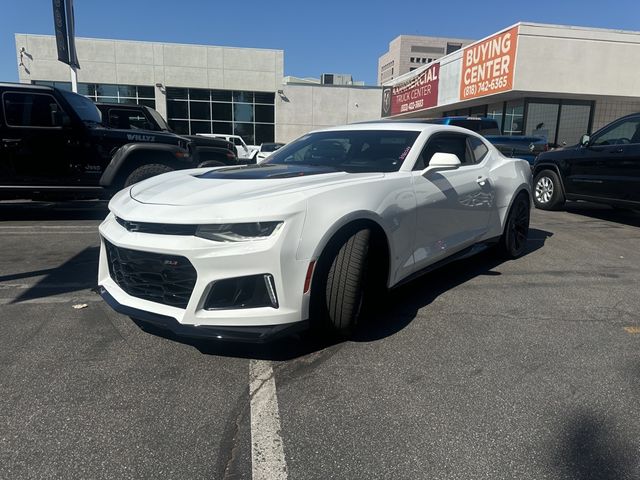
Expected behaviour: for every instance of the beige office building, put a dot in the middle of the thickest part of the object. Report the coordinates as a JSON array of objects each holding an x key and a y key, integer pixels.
[{"x": 409, "y": 52}]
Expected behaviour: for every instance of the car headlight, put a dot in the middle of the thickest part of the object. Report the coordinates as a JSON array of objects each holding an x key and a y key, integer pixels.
[{"x": 238, "y": 232}]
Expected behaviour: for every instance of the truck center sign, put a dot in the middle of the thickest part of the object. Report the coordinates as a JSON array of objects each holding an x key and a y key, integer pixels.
[
  {"x": 488, "y": 66},
  {"x": 416, "y": 94}
]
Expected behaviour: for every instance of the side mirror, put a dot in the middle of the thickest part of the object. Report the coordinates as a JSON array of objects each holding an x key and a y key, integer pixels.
[
  {"x": 442, "y": 161},
  {"x": 585, "y": 140}
]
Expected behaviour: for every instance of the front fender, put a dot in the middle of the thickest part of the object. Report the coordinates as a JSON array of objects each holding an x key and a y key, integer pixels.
[
  {"x": 148, "y": 152},
  {"x": 389, "y": 203}
]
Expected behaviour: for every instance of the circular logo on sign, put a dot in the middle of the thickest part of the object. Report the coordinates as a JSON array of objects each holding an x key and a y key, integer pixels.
[{"x": 386, "y": 102}]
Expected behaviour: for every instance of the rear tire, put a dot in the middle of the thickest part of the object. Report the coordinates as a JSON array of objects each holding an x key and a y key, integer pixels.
[
  {"x": 513, "y": 242},
  {"x": 339, "y": 291},
  {"x": 547, "y": 191},
  {"x": 146, "y": 171}
]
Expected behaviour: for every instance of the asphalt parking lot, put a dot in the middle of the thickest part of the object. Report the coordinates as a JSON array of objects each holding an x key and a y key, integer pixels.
[{"x": 526, "y": 369}]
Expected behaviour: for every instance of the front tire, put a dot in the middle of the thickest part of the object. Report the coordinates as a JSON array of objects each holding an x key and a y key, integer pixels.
[
  {"x": 146, "y": 171},
  {"x": 547, "y": 191},
  {"x": 339, "y": 292},
  {"x": 513, "y": 242}
]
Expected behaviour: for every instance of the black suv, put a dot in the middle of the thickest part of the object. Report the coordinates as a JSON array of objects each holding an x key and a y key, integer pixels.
[
  {"x": 602, "y": 168},
  {"x": 212, "y": 151},
  {"x": 53, "y": 143}
]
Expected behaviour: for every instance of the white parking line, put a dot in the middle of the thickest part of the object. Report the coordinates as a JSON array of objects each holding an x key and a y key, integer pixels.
[{"x": 267, "y": 450}]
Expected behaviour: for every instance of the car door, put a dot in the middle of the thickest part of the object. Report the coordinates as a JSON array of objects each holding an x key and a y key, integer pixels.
[
  {"x": 609, "y": 166},
  {"x": 35, "y": 140},
  {"x": 453, "y": 206}
]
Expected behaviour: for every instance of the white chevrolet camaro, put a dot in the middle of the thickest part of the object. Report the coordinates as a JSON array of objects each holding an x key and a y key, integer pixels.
[{"x": 312, "y": 235}]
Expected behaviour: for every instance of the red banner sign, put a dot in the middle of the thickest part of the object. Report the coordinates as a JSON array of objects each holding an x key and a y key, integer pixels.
[
  {"x": 416, "y": 94},
  {"x": 487, "y": 67}
]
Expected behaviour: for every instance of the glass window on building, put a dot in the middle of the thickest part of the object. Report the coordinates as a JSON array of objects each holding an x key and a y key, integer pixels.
[
  {"x": 109, "y": 93},
  {"x": 514, "y": 118},
  {"x": 248, "y": 114},
  {"x": 542, "y": 119},
  {"x": 452, "y": 47},
  {"x": 574, "y": 122},
  {"x": 496, "y": 111},
  {"x": 60, "y": 85}
]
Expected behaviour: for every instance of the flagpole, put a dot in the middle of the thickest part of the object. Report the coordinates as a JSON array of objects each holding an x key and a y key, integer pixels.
[{"x": 74, "y": 79}]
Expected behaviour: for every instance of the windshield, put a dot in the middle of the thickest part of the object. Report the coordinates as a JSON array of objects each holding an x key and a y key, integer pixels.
[
  {"x": 159, "y": 120},
  {"x": 349, "y": 150},
  {"x": 84, "y": 108}
]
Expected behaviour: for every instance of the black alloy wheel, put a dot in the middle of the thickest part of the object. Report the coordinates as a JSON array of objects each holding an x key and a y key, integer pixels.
[{"x": 516, "y": 232}]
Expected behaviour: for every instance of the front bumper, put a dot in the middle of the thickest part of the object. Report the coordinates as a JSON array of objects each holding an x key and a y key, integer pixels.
[
  {"x": 214, "y": 261},
  {"x": 256, "y": 334}
]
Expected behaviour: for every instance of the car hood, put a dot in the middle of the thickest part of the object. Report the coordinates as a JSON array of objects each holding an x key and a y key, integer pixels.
[{"x": 238, "y": 184}]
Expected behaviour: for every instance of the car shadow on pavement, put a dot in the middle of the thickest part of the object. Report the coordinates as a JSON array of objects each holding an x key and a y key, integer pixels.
[
  {"x": 25, "y": 210},
  {"x": 605, "y": 212},
  {"x": 77, "y": 273},
  {"x": 401, "y": 307},
  {"x": 403, "y": 303}
]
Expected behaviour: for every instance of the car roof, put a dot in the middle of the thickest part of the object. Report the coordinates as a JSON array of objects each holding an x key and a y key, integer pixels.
[
  {"x": 405, "y": 125},
  {"x": 46, "y": 88}
]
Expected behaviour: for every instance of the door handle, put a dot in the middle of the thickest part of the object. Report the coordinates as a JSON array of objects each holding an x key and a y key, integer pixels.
[
  {"x": 482, "y": 180},
  {"x": 617, "y": 150}
]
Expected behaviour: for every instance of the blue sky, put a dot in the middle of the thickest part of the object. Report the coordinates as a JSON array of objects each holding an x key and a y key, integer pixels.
[{"x": 317, "y": 37}]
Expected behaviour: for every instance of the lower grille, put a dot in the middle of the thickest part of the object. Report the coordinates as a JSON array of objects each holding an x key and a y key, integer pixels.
[{"x": 166, "y": 279}]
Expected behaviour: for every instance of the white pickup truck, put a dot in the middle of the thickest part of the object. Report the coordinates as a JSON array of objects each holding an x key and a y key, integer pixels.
[{"x": 244, "y": 151}]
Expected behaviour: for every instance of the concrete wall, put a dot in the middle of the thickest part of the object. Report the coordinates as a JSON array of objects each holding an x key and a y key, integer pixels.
[
  {"x": 579, "y": 61},
  {"x": 302, "y": 108},
  {"x": 148, "y": 63}
]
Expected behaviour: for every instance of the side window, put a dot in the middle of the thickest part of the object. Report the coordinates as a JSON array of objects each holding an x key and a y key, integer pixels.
[
  {"x": 627, "y": 131},
  {"x": 445, "y": 143},
  {"x": 128, "y": 119},
  {"x": 237, "y": 141},
  {"x": 32, "y": 110},
  {"x": 478, "y": 148}
]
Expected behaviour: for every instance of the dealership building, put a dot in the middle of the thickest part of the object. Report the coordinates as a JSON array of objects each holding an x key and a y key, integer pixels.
[
  {"x": 551, "y": 80},
  {"x": 200, "y": 88}
]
